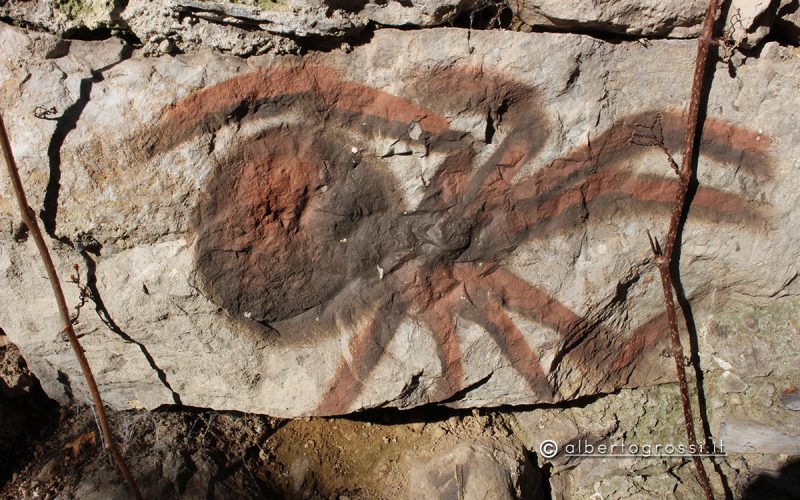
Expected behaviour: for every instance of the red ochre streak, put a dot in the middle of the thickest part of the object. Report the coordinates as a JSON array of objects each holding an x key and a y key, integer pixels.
[{"x": 192, "y": 114}]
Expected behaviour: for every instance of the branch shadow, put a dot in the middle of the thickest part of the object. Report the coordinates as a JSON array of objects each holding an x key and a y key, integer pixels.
[
  {"x": 66, "y": 123},
  {"x": 680, "y": 292},
  {"x": 784, "y": 484}
]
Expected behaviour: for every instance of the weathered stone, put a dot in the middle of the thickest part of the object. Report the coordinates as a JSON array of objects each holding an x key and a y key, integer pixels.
[
  {"x": 304, "y": 23},
  {"x": 15, "y": 378},
  {"x": 752, "y": 437},
  {"x": 476, "y": 471},
  {"x": 50, "y": 469},
  {"x": 61, "y": 15},
  {"x": 676, "y": 18},
  {"x": 730, "y": 382},
  {"x": 746, "y": 24},
  {"x": 252, "y": 27},
  {"x": 790, "y": 399},
  {"x": 422, "y": 13},
  {"x": 165, "y": 29},
  {"x": 787, "y": 26},
  {"x": 632, "y": 419},
  {"x": 750, "y": 21},
  {"x": 261, "y": 250}
]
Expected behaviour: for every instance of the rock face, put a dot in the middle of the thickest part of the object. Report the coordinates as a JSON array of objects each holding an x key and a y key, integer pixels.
[
  {"x": 15, "y": 378},
  {"x": 437, "y": 216},
  {"x": 676, "y": 18},
  {"x": 746, "y": 22}
]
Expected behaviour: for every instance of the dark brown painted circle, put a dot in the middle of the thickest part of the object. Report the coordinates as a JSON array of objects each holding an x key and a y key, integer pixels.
[{"x": 287, "y": 223}]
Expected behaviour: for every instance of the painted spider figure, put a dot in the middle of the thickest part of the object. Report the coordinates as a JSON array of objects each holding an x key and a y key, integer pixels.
[{"x": 303, "y": 232}]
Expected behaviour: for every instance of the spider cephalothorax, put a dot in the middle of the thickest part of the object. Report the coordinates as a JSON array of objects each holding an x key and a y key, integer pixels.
[{"x": 305, "y": 220}]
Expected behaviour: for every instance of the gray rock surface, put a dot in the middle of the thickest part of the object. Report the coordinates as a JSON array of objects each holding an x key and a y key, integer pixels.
[
  {"x": 790, "y": 399},
  {"x": 676, "y": 18},
  {"x": 422, "y": 13},
  {"x": 302, "y": 23},
  {"x": 253, "y": 27},
  {"x": 475, "y": 471},
  {"x": 788, "y": 22},
  {"x": 732, "y": 383},
  {"x": 370, "y": 273},
  {"x": 752, "y": 437},
  {"x": 749, "y": 421},
  {"x": 15, "y": 378},
  {"x": 746, "y": 23},
  {"x": 639, "y": 418}
]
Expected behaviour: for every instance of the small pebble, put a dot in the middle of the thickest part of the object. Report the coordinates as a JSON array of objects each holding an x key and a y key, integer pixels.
[
  {"x": 790, "y": 399},
  {"x": 49, "y": 470},
  {"x": 438, "y": 433}
]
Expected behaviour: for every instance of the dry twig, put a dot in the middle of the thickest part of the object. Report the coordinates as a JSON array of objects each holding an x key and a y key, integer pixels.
[
  {"x": 29, "y": 218},
  {"x": 664, "y": 257}
]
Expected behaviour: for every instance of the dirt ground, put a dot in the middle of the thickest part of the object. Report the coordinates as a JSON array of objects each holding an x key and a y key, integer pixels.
[
  {"x": 51, "y": 452},
  {"x": 27, "y": 417}
]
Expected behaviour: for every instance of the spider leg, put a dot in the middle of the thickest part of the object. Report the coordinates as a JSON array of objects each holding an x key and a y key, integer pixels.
[
  {"x": 440, "y": 320},
  {"x": 521, "y": 296},
  {"x": 609, "y": 191},
  {"x": 721, "y": 141},
  {"x": 450, "y": 180},
  {"x": 210, "y": 109},
  {"x": 487, "y": 311},
  {"x": 618, "y": 184},
  {"x": 366, "y": 348},
  {"x": 501, "y": 167},
  {"x": 641, "y": 340}
]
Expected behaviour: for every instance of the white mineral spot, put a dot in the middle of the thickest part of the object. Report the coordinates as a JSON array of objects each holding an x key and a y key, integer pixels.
[
  {"x": 343, "y": 240},
  {"x": 380, "y": 272},
  {"x": 731, "y": 383},
  {"x": 248, "y": 315},
  {"x": 354, "y": 150},
  {"x": 722, "y": 363},
  {"x": 415, "y": 131}
]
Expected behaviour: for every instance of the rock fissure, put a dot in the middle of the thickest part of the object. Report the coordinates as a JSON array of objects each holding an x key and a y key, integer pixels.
[{"x": 105, "y": 317}]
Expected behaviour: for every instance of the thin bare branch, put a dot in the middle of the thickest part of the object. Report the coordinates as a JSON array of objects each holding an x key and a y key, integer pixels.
[
  {"x": 29, "y": 218},
  {"x": 663, "y": 258}
]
